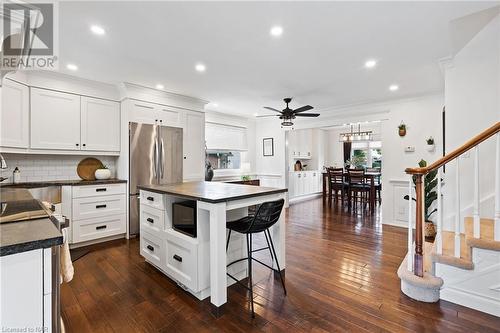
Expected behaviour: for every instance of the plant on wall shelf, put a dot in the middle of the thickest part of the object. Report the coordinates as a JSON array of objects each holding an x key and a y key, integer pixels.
[
  {"x": 430, "y": 141},
  {"x": 430, "y": 195},
  {"x": 402, "y": 129}
]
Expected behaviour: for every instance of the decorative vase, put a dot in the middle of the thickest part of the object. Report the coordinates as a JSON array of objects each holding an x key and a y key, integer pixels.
[
  {"x": 209, "y": 171},
  {"x": 102, "y": 174},
  {"x": 430, "y": 229},
  {"x": 402, "y": 132}
]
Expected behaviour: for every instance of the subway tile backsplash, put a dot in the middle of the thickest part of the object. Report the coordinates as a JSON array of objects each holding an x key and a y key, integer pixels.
[{"x": 48, "y": 167}]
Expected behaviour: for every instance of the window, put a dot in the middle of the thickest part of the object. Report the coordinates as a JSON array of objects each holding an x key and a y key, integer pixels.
[
  {"x": 367, "y": 154},
  {"x": 224, "y": 159}
]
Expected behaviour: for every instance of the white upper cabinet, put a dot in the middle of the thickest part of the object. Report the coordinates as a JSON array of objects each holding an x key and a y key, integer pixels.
[
  {"x": 226, "y": 137},
  {"x": 55, "y": 120},
  {"x": 193, "y": 145},
  {"x": 169, "y": 116},
  {"x": 143, "y": 112},
  {"x": 14, "y": 115},
  {"x": 100, "y": 124}
]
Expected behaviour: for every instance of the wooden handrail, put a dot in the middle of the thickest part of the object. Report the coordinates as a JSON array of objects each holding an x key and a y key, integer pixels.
[{"x": 486, "y": 134}]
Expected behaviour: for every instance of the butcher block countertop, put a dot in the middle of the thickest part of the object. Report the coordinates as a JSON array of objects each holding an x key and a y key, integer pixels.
[{"x": 212, "y": 192}]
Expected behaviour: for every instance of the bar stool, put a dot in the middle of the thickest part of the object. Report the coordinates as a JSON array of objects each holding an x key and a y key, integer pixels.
[{"x": 267, "y": 215}]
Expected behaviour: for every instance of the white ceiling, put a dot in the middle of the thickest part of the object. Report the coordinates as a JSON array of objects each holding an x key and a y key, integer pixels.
[{"x": 318, "y": 60}]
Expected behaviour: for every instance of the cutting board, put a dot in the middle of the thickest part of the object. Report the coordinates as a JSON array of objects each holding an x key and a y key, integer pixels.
[{"x": 87, "y": 167}]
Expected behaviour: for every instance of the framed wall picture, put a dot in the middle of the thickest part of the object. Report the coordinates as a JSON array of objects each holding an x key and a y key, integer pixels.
[{"x": 268, "y": 146}]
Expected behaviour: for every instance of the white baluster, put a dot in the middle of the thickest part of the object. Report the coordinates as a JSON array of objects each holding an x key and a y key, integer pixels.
[
  {"x": 439, "y": 223},
  {"x": 457, "y": 216},
  {"x": 410, "y": 226},
  {"x": 475, "y": 209},
  {"x": 497, "y": 191}
]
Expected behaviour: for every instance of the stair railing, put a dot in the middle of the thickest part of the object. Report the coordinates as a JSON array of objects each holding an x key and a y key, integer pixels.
[{"x": 415, "y": 254}]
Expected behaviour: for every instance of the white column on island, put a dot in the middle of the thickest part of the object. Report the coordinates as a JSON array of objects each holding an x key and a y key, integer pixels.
[
  {"x": 278, "y": 234},
  {"x": 218, "y": 283}
]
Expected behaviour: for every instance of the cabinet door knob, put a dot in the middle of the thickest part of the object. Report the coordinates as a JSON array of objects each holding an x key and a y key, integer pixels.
[
  {"x": 178, "y": 258},
  {"x": 150, "y": 220},
  {"x": 150, "y": 198},
  {"x": 100, "y": 227},
  {"x": 150, "y": 248},
  {"x": 84, "y": 145},
  {"x": 77, "y": 144}
]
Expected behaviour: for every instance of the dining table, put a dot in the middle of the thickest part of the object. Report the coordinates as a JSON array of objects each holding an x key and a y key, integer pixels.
[{"x": 369, "y": 176}]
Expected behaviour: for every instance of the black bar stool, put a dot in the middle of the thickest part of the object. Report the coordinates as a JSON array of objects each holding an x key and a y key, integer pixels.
[{"x": 267, "y": 215}]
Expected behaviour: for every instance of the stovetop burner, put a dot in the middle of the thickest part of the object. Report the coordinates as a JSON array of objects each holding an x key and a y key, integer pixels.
[{"x": 22, "y": 210}]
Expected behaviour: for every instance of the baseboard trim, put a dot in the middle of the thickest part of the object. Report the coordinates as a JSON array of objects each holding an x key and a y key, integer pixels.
[
  {"x": 304, "y": 198},
  {"x": 472, "y": 301}
]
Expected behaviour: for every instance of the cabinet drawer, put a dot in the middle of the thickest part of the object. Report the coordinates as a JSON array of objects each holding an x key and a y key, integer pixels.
[
  {"x": 85, "y": 208},
  {"x": 98, "y": 190},
  {"x": 152, "y": 199},
  {"x": 153, "y": 249},
  {"x": 181, "y": 259},
  {"x": 85, "y": 230},
  {"x": 152, "y": 220}
]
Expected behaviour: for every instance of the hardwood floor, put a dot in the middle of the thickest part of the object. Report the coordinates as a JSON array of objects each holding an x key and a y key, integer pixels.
[{"x": 340, "y": 276}]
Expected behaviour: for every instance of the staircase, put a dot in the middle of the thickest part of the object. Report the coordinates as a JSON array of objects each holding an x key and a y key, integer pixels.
[{"x": 463, "y": 264}]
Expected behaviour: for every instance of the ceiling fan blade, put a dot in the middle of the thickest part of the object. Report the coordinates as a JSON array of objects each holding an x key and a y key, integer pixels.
[
  {"x": 307, "y": 115},
  {"x": 272, "y": 109},
  {"x": 304, "y": 108},
  {"x": 269, "y": 115}
]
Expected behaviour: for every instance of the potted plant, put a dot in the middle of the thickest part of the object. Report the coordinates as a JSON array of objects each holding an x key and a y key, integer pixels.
[
  {"x": 430, "y": 144},
  {"x": 402, "y": 129},
  {"x": 103, "y": 172},
  {"x": 430, "y": 195},
  {"x": 246, "y": 178}
]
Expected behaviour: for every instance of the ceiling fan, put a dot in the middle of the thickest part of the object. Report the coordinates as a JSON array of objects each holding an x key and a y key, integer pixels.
[{"x": 287, "y": 114}]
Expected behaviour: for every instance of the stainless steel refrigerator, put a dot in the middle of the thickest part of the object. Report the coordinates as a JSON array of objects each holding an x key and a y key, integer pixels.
[{"x": 155, "y": 157}]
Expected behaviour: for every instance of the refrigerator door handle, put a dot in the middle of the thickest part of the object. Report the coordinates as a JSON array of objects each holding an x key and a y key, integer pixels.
[
  {"x": 162, "y": 158},
  {"x": 155, "y": 160}
]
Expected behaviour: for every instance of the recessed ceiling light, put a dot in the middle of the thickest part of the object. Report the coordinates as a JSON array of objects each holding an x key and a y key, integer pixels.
[
  {"x": 72, "y": 67},
  {"x": 214, "y": 105},
  {"x": 97, "y": 30},
  {"x": 370, "y": 63},
  {"x": 393, "y": 87},
  {"x": 276, "y": 31},
  {"x": 200, "y": 67},
  {"x": 159, "y": 86},
  {"x": 255, "y": 114}
]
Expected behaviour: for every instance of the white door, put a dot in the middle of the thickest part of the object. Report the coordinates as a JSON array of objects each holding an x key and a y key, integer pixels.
[
  {"x": 194, "y": 146},
  {"x": 55, "y": 120},
  {"x": 14, "y": 115},
  {"x": 100, "y": 121},
  {"x": 143, "y": 112},
  {"x": 169, "y": 116}
]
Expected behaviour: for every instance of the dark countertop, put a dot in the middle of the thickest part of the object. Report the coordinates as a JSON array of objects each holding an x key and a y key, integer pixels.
[
  {"x": 76, "y": 182},
  {"x": 213, "y": 192},
  {"x": 28, "y": 235}
]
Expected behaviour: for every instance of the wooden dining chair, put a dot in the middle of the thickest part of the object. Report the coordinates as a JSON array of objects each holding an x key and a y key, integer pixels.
[
  {"x": 378, "y": 182},
  {"x": 358, "y": 188},
  {"x": 336, "y": 184}
]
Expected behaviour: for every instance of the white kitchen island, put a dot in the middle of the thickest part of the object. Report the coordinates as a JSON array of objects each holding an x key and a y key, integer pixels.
[{"x": 199, "y": 264}]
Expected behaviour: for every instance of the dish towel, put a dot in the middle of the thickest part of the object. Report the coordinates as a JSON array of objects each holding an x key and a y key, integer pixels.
[{"x": 67, "y": 269}]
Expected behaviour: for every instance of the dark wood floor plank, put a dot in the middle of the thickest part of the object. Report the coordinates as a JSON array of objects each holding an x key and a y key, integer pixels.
[{"x": 340, "y": 277}]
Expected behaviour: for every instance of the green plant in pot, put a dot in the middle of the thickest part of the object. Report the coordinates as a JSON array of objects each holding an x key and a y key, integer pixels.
[
  {"x": 430, "y": 195},
  {"x": 402, "y": 129}
]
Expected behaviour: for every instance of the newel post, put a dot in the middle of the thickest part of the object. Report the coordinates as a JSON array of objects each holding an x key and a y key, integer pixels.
[{"x": 418, "y": 262}]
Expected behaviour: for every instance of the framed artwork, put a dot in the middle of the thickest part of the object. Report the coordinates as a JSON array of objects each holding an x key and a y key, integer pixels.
[{"x": 268, "y": 146}]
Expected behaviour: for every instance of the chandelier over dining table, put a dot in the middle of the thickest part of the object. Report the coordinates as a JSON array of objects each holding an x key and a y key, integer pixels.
[{"x": 356, "y": 135}]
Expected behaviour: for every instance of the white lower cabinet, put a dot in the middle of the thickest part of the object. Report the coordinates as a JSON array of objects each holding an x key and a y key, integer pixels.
[
  {"x": 97, "y": 211},
  {"x": 303, "y": 183},
  {"x": 26, "y": 302},
  {"x": 174, "y": 253}
]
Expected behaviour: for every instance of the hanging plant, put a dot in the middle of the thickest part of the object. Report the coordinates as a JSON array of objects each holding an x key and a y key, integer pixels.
[
  {"x": 430, "y": 144},
  {"x": 402, "y": 129}
]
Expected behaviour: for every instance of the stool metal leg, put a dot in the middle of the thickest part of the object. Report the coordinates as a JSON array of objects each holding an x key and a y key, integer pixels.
[
  {"x": 249, "y": 249},
  {"x": 277, "y": 263},
  {"x": 228, "y": 237},
  {"x": 269, "y": 247}
]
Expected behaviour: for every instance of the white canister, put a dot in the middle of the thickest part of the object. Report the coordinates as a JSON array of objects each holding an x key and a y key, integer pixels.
[
  {"x": 16, "y": 176},
  {"x": 102, "y": 174}
]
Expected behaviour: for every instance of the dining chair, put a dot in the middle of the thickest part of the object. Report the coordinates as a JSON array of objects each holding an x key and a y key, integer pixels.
[
  {"x": 336, "y": 183},
  {"x": 378, "y": 183},
  {"x": 358, "y": 188}
]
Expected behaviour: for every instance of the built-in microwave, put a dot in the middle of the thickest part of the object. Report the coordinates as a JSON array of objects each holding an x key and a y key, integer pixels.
[{"x": 184, "y": 217}]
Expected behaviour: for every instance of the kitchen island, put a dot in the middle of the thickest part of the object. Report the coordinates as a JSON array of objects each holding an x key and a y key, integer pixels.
[{"x": 199, "y": 263}]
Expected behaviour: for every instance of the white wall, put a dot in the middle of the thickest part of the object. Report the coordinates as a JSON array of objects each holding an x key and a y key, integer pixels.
[
  {"x": 270, "y": 169},
  {"x": 472, "y": 90}
]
